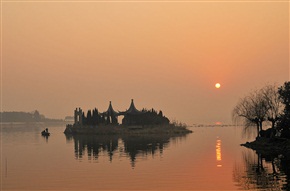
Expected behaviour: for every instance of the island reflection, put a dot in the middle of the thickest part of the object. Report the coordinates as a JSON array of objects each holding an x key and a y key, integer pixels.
[
  {"x": 266, "y": 172},
  {"x": 132, "y": 146}
]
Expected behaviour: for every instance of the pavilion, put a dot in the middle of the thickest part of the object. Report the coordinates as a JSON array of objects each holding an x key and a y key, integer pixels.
[
  {"x": 111, "y": 114},
  {"x": 131, "y": 115}
]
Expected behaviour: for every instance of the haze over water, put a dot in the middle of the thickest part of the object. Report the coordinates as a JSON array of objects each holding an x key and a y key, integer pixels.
[
  {"x": 166, "y": 55},
  {"x": 59, "y": 55},
  {"x": 149, "y": 162}
]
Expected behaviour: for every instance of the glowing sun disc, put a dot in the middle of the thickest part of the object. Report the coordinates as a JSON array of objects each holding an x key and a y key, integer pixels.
[{"x": 217, "y": 85}]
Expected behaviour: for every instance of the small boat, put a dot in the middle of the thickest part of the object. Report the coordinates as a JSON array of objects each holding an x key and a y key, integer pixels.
[{"x": 45, "y": 132}]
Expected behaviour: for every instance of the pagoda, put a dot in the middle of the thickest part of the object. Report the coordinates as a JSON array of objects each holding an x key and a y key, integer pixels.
[
  {"x": 131, "y": 111},
  {"x": 111, "y": 115},
  {"x": 131, "y": 115}
]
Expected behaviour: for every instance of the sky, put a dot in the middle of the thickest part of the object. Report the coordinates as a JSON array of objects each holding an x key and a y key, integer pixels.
[{"x": 166, "y": 55}]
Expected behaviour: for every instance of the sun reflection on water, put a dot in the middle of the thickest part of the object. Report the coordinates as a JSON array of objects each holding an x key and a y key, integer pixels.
[{"x": 218, "y": 152}]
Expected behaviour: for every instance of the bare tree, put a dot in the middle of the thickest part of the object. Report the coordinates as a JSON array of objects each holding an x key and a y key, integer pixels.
[
  {"x": 252, "y": 110},
  {"x": 259, "y": 107},
  {"x": 274, "y": 103}
]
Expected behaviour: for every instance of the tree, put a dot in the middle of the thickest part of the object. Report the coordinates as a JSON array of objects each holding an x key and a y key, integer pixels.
[
  {"x": 84, "y": 119},
  {"x": 252, "y": 109},
  {"x": 89, "y": 117},
  {"x": 284, "y": 93},
  {"x": 95, "y": 117},
  {"x": 274, "y": 103}
]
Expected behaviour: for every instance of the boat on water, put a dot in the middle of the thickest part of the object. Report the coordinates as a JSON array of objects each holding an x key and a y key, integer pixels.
[{"x": 45, "y": 132}]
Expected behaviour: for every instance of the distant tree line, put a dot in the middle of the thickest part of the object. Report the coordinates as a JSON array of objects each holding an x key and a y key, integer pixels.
[
  {"x": 19, "y": 116},
  {"x": 268, "y": 104}
]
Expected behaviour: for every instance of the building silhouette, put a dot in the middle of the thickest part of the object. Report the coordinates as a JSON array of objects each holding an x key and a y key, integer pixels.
[{"x": 132, "y": 117}]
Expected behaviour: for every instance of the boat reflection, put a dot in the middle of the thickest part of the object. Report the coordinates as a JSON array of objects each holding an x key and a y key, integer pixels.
[
  {"x": 131, "y": 146},
  {"x": 262, "y": 172}
]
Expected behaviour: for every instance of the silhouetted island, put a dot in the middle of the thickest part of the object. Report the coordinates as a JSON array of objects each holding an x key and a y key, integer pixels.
[{"x": 133, "y": 122}]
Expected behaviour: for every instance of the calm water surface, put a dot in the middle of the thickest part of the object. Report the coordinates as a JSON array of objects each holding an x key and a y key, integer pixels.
[{"x": 208, "y": 159}]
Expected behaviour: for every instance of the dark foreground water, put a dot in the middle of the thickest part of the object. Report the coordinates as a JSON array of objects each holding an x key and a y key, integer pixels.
[{"x": 208, "y": 159}]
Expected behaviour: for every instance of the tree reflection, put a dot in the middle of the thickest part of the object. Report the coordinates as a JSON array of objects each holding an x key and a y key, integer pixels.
[
  {"x": 262, "y": 172},
  {"x": 285, "y": 167},
  {"x": 93, "y": 145},
  {"x": 132, "y": 146},
  {"x": 144, "y": 145}
]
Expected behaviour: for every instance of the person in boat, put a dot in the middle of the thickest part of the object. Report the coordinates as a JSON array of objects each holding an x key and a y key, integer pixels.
[{"x": 45, "y": 132}]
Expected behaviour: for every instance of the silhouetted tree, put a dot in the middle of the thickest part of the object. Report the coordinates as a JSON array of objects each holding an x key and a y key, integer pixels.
[
  {"x": 89, "y": 117},
  {"x": 84, "y": 120},
  {"x": 103, "y": 119},
  {"x": 148, "y": 117},
  {"x": 160, "y": 114},
  {"x": 274, "y": 103},
  {"x": 284, "y": 122},
  {"x": 252, "y": 109},
  {"x": 99, "y": 118},
  {"x": 95, "y": 117}
]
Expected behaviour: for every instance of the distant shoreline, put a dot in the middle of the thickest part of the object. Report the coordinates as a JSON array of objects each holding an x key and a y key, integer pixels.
[
  {"x": 18, "y": 117},
  {"x": 47, "y": 123}
]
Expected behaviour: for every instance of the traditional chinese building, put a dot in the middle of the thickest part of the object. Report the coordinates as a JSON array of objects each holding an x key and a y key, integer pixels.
[
  {"x": 132, "y": 117},
  {"x": 111, "y": 116}
]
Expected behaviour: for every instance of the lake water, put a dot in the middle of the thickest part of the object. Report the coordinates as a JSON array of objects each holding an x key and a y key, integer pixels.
[{"x": 210, "y": 158}]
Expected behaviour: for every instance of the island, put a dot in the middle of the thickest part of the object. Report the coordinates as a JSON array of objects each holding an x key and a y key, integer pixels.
[{"x": 134, "y": 122}]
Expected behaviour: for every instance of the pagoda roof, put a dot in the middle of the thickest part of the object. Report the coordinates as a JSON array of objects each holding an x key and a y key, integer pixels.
[
  {"x": 132, "y": 109},
  {"x": 110, "y": 110}
]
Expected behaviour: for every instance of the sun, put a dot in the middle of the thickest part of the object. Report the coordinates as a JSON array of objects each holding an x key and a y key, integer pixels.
[{"x": 217, "y": 85}]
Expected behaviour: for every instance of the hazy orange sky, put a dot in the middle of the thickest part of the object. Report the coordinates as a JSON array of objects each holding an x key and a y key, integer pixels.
[{"x": 164, "y": 54}]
